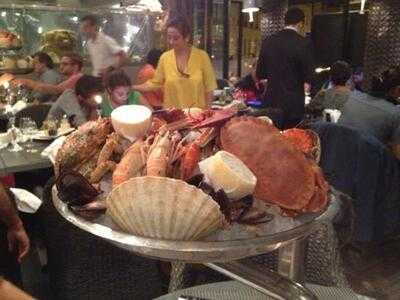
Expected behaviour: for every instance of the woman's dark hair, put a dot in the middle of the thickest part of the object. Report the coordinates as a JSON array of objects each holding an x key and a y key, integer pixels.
[
  {"x": 88, "y": 85},
  {"x": 45, "y": 59},
  {"x": 390, "y": 78},
  {"x": 340, "y": 73},
  {"x": 294, "y": 16},
  {"x": 153, "y": 57},
  {"x": 92, "y": 19},
  {"x": 179, "y": 22},
  {"x": 76, "y": 59},
  {"x": 115, "y": 78}
]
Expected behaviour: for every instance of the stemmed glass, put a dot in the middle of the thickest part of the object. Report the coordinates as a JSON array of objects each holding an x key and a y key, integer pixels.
[
  {"x": 14, "y": 133},
  {"x": 11, "y": 123},
  {"x": 29, "y": 130}
]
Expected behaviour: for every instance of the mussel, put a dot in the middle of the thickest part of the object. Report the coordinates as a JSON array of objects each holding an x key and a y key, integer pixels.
[{"x": 75, "y": 190}]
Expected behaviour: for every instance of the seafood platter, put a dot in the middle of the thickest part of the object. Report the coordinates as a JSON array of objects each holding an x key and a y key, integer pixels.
[{"x": 193, "y": 175}]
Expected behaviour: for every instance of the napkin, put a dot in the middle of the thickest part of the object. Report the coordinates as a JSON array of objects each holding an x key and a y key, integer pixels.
[
  {"x": 333, "y": 113},
  {"x": 20, "y": 105},
  {"x": 51, "y": 150},
  {"x": 5, "y": 139},
  {"x": 26, "y": 201}
]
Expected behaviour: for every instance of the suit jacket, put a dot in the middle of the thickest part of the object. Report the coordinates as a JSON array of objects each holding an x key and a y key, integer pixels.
[{"x": 286, "y": 61}]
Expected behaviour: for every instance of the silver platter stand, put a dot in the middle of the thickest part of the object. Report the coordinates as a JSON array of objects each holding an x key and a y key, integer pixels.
[{"x": 221, "y": 256}]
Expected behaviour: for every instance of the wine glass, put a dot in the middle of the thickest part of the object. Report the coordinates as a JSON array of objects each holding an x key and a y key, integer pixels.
[
  {"x": 29, "y": 130},
  {"x": 14, "y": 135}
]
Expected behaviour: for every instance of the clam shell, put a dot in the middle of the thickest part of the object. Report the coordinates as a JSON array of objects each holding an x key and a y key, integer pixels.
[{"x": 163, "y": 208}]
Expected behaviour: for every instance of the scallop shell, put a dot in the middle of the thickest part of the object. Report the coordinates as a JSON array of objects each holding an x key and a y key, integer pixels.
[{"x": 163, "y": 208}]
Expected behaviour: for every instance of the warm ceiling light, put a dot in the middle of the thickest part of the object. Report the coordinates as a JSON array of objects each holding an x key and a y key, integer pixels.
[
  {"x": 362, "y": 6},
  {"x": 321, "y": 70},
  {"x": 250, "y": 7}
]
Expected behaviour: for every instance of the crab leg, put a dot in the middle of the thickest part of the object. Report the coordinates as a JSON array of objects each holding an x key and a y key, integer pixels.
[{"x": 108, "y": 149}]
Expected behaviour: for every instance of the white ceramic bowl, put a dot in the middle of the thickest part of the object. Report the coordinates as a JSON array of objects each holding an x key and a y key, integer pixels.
[{"x": 131, "y": 121}]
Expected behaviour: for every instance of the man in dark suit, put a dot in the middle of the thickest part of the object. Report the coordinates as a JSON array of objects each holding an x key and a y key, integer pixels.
[{"x": 286, "y": 62}]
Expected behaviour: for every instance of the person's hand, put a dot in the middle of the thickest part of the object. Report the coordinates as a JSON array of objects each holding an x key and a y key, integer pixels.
[
  {"x": 6, "y": 78},
  {"x": 18, "y": 241},
  {"x": 20, "y": 81}
]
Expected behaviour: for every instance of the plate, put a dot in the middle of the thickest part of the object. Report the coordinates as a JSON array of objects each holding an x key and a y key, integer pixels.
[{"x": 44, "y": 137}]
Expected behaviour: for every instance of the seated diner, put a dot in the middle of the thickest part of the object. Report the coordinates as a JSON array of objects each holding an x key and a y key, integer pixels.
[
  {"x": 335, "y": 96},
  {"x": 118, "y": 92},
  {"x": 78, "y": 104},
  {"x": 376, "y": 116},
  {"x": 70, "y": 66}
]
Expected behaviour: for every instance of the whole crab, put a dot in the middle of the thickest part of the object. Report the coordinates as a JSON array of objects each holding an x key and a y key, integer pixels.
[
  {"x": 285, "y": 176},
  {"x": 88, "y": 150}
]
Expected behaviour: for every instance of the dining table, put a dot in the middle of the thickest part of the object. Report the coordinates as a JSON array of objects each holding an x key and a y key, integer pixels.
[{"x": 24, "y": 160}]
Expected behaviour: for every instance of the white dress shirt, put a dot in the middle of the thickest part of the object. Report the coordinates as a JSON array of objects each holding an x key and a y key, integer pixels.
[{"x": 103, "y": 52}]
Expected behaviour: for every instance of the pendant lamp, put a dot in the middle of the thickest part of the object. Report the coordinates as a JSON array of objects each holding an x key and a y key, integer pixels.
[
  {"x": 362, "y": 6},
  {"x": 250, "y": 7}
]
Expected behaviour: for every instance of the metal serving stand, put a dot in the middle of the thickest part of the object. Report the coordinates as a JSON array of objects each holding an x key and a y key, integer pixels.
[{"x": 222, "y": 256}]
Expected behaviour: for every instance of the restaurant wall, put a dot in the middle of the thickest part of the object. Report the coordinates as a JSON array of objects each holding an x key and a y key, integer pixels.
[{"x": 383, "y": 38}]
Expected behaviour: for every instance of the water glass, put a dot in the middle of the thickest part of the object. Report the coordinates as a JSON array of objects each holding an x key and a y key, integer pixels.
[{"x": 29, "y": 130}]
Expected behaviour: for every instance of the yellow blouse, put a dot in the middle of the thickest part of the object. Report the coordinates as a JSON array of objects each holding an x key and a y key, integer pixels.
[{"x": 188, "y": 89}]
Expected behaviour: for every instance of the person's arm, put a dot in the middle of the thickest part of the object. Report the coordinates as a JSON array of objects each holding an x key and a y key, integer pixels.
[
  {"x": 154, "y": 84},
  {"x": 40, "y": 87},
  {"x": 143, "y": 101},
  {"x": 51, "y": 78},
  {"x": 209, "y": 79},
  {"x": 6, "y": 78},
  {"x": 18, "y": 240},
  {"x": 146, "y": 87}
]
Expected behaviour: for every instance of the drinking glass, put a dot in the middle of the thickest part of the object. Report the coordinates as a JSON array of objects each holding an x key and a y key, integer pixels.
[
  {"x": 14, "y": 135},
  {"x": 29, "y": 130}
]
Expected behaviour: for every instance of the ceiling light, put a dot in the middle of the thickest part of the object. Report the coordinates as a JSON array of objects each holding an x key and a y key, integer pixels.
[
  {"x": 321, "y": 70},
  {"x": 250, "y": 7},
  {"x": 362, "y": 6}
]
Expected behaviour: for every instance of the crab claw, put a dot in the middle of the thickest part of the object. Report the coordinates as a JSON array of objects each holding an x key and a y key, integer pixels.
[{"x": 217, "y": 118}]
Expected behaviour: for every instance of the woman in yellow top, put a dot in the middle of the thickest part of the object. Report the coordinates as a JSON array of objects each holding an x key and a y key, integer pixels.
[{"x": 184, "y": 73}]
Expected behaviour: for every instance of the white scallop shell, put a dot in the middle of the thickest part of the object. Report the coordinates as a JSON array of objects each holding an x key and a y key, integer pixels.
[{"x": 163, "y": 208}]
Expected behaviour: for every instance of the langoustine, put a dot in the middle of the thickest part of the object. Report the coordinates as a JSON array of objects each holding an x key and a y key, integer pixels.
[{"x": 132, "y": 163}]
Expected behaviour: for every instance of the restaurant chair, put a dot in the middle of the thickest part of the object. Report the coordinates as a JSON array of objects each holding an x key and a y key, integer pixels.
[
  {"x": 38, "y": 113},
  {"x": 234, "y": 290},
  {"x": 360, "y": 166},
  {"x": 83, "y": 266}
]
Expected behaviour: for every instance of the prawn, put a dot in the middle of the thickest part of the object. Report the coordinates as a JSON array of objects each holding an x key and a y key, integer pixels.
[{"x": 131, "y": 164}]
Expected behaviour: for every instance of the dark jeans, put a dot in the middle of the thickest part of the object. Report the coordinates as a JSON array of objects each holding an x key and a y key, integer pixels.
[{"x": 9, "y": 267}]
